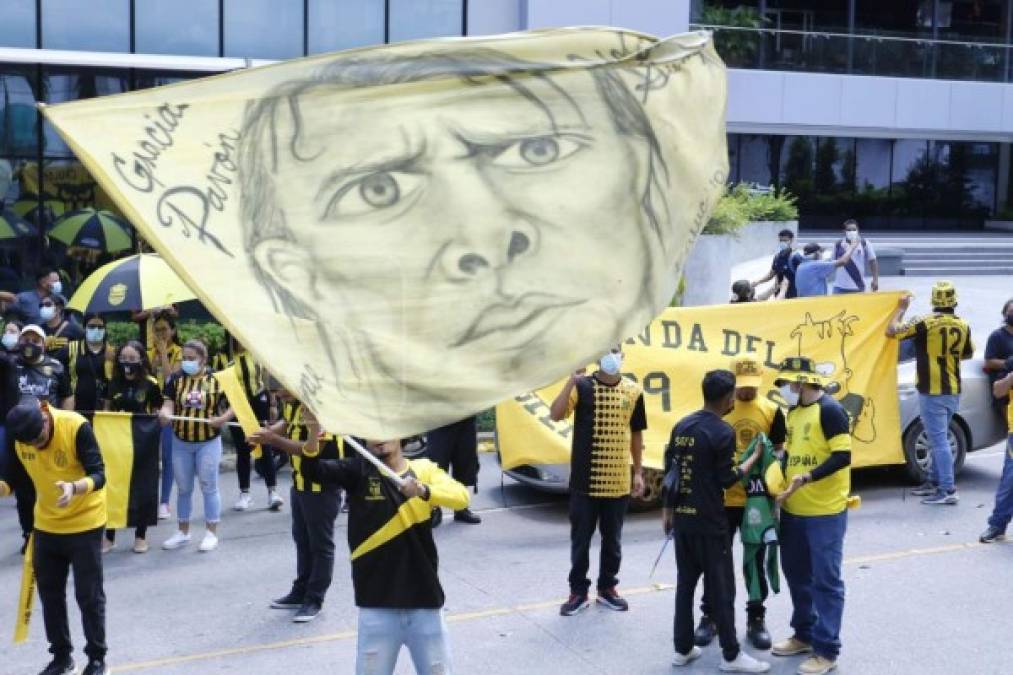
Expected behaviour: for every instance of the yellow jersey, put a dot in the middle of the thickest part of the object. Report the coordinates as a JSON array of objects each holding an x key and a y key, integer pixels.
[
  {"x": 941, "y": 342},
  {"x": 749, "y": 418},
  {"x": 814, "y": 432}
]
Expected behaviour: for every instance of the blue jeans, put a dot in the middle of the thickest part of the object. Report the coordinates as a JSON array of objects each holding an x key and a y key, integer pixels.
[
  {"x": 1003, "y": 511},
  {"x": 167, "y": 438},
  {"x": 844, "y": 291},
  {"x": 200, "y": 459},
  {"x": 383, "y": 631},
  {"x": 812, "y": 552},
  {"x": 936, "y": 413}
]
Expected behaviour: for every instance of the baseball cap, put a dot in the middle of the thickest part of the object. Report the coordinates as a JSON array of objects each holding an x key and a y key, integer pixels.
[
  {"x": 32, "y": 328},
  {"x": 748, "y": 372},
  {"x": 24, "y": 421}
]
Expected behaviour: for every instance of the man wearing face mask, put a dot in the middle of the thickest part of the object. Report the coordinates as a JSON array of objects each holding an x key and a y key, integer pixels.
[
  {"x": 780, "y": 268},
  {"x": 813, "y": 514},
  {"x": 43, "y": 378},
  {"x": 811, "y": 275},
  {"x": 751, "y": 415},
  {"x": 609, "y": 420},
  {"x": 850, "y": 278},
  {"x": 999, "y": 352},
  {"x": 60, "y": 329},
  {"x": 26, "y": 303}
]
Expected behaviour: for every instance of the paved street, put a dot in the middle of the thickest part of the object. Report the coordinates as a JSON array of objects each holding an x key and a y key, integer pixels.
[{"x": 923, "y": 597}]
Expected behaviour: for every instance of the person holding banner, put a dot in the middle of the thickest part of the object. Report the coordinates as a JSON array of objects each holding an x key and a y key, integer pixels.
[
  {"x": 609, "y": 420},
  {"x": 752, "y": 415},
  {"x": 58, "y": 451},
  {"x": 133, "y": 390},
  {"x": 700, "y": 452},
  {"x": 394, "y": 558},
  {"x": 192, "y": 400},
  {"x": 814, "y": 515},
  {"x": 315, "y": 507},
  {"x": 941, "y": 342}
]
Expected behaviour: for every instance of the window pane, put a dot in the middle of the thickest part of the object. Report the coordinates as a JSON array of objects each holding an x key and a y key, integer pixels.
[
  {"x": 342, "y": 24},
  {"x": 97, "y": 25},
  {"x": 20, "y": 257},
  {"x": 412, "y": 20},
  {"x": 19, "y": 122},
  {"x": 62, "y": 85},
  {"x": 18, "y": 26},
  {"x": 263, "y": 29},
  {"x": 178, "y": 27}
]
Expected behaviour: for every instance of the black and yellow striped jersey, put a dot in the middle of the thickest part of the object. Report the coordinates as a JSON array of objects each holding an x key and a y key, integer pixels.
[
  {"x": 197, "y": 397},
  {"x": 173, "y": 358},
  {"x": 140, "y": 396},
  {"x": 941, "y": 341},
  {"x": 331, "y": 446},
  {"x": 394, "y": 557},
  {"x": 251, "y": 375}
]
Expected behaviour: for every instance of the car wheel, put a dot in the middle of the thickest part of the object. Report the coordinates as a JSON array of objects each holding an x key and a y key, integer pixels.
[
  {"x": 916, "y": 450},
  {"x": 652, "y": 492}
]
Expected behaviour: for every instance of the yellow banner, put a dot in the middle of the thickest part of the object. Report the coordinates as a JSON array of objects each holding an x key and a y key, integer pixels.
[
  {"x": 26, "y": 598},
  {"x": 410, "y": 233},
  {"x": 844, "y": 334},
  {"x": 233, "y": 388}
]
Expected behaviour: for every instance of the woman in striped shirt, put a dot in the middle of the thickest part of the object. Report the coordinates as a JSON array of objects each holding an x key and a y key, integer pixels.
[
  {"x": 165, "y": 353},
  {"x": 192, "y": 400}
]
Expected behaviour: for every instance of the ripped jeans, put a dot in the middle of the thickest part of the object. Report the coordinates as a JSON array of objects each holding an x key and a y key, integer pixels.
[{"x": 383, "y": 631}]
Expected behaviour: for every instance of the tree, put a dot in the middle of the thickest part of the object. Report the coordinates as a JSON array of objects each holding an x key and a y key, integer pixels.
[
  {"x": 848, "y": 172},
  {"x": 825, "y": 178},
  {"x": 798, "y": 170}
]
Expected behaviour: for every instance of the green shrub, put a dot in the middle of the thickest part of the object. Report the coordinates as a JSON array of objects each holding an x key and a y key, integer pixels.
[
  {"x": 211, "y": 333},
  {"x": 118, "y": 332},
  {"x": 741, "y": 205},
  {"x": 487, "y": 420}
]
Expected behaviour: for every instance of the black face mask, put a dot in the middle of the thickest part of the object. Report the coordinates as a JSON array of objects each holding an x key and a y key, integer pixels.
[
  {"x": 129, "y": 369},
  {"x": 31, "y": 352}
]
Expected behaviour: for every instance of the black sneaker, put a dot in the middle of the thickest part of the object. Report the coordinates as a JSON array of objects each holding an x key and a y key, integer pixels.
[
  {"x": 991, "y": 535},
  {"x": 611, "y": 599},
  {"x": 290, "y": 601},
  {"x": 942, "y": 499},
  {"x": 96, "y": 667},
  {"x": 467, "y": 516},
  {"x": 925, "y": 490},
  {"x": 60, "y": 667},
  {"x": 576, "y": 603},
  {"x": 757, "y": 634},
  {"x": 704, "y": 633},
  {"x": 308, "y": 612},
  {"x": 437, "y": 517}
]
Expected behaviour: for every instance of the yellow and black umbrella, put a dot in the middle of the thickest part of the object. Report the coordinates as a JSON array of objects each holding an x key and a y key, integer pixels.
[
  {"x": 42, "y": 214},
  {"x": 13, "y": 226},
  {"x": 93, "y": 229},
  {"x": 137, "y": 282}
]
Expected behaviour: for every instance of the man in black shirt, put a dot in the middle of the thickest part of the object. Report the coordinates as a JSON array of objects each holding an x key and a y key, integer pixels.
[
  {"x": 608, "y": 424},
  {"x": 700, "y": 451},
  {"x": 999, "y": 351},
  {"x": 780, "y": 267},
  {"x": 394, "y": 558}
]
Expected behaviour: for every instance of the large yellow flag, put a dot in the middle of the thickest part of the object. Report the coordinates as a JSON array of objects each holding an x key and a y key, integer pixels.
[
  {"x": 844, "y": 334},
  {"x": 408, "y": 234}
]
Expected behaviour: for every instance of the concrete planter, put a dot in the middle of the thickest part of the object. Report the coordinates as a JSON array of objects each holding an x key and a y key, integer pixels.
[{"x": 708, "y": 270}]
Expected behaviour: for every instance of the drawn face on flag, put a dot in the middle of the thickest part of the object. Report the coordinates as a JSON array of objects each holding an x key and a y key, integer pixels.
[{"x": 426, "y": 229}]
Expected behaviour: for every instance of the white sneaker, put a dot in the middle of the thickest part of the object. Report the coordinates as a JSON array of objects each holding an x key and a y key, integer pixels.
[
  {"x": 176, "y": 541},
  {"x": 744, "y": 663},
  {"x": 684, "y": 659},
  {"x": 275, "y": 501},
  {"x": 209, "y": 542},
  {"x": 244, "y": 502},
  {"x": 163, "y": 512}
]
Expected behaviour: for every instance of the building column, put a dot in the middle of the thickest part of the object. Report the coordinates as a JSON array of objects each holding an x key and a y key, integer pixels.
[{"x": 1002, "y": 178}]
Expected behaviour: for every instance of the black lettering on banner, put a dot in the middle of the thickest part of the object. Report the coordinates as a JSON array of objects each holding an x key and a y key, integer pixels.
[
  {"x": 696, "y": 341},
  {"x": 310, "y": 384},
  {"x": 769, "y": 360},
  {"x": 643, "y": 338},
  {"x": 751, "y": 342},
  {"x": 658, "y": 383},
  {"x": 733, "y": 342},
  {"x": 538, "y": 409},
  {"x": 158, "y": 137},
  {"x": 673, "y": 334}
]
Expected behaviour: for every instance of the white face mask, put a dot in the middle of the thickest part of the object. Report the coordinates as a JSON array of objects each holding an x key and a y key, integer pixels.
[
  {"x": 611, "y": 363},
  {"x": 790, "y": 397},
  {"x": 56, "y": 287},
  {"x": 47, "y": 313},
  {"x": 783, "y": 245},
  {"x": 10, "y": 341},
  {"x": 851, "y": 235},
  {"x": 94, "y": 334}
]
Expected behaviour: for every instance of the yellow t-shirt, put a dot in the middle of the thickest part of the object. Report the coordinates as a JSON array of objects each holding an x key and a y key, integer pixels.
[
  {"x": 749, "y": 418},
  {"x": 60, "y": 461},
  {"x": 815, "y": 431}
]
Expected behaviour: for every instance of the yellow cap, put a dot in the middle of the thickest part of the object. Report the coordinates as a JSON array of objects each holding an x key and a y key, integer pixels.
[{"x": 748, "y": 372}]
